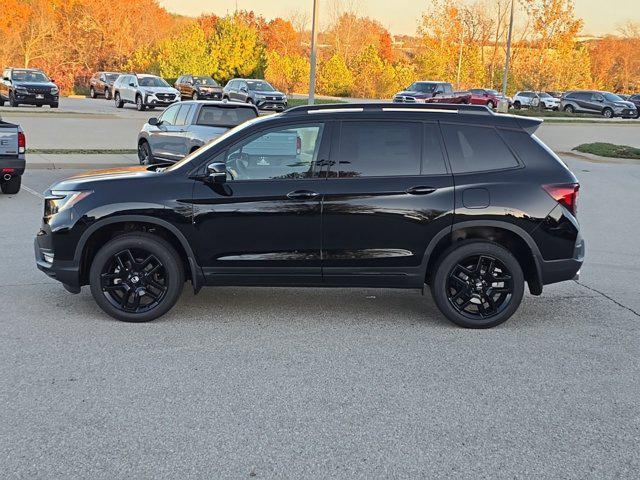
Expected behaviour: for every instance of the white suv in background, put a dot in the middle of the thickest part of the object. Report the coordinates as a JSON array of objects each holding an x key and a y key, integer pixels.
[
  {"x": 533, "y": 99},
  {"x": 145, "y": 91}
]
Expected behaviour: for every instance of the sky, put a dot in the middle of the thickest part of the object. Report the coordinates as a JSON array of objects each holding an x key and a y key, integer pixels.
[{"x": 402, "y": 17}]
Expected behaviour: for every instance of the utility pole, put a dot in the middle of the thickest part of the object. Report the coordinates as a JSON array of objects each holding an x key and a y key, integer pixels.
[
  {"x": 460, "y": 57},
  {"x": 508, "y": 57},
  {"x": 314, "y": 46}
]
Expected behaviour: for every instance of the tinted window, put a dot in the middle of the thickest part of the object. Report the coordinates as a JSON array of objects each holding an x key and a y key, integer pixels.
[
  {"x": 215, "y": 116},
  {"x": 183, "y": 113},
  {"x": 432, "y": 157},
  {"x": 169, "y": 115},
  {"x": 280, "y": 153},
  {"x": 473, "y": 149},
  {"x": 373, "y": 149},
  {"x": 447, "y": 88}
]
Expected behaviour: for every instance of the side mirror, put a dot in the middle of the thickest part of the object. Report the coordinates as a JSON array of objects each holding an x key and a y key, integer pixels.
[
  {"x": 217, "y": 172},
  {"x": 6, "y": 79},
  {"x": 437, "y": 92},
  {"x": 244, "y": 89},
  {"x": 153, "y": 121},
  {"x": 132, "y": 84},
  {"x": 52, "y": 80}
]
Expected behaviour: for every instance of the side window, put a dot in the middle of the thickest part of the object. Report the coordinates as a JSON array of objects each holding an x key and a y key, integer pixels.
[
  {"x": 183, "y": 113},
  {"x": 288, "y": 152},
  {"x": 447, "y": 88},
  {"x": 103, "y": 78},
  {"x": 432, "y": 156},
  {"x": 473, "y": 149},
  {"x": 169, "y": 115},
  {"x": 375, "y": 149}
]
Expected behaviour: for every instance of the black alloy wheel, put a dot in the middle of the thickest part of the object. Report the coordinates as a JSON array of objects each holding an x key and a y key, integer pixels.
[
  {"x": 136, "y": 277},
  {"x": 479, "y": 287},
  {"x": 477, "y": 284}
]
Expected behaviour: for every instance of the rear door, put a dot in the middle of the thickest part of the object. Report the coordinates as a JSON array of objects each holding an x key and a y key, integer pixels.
[
  {"x": 8, "y": 140},
  {"x": 160, "y": 135},
  {"x": 176, "y": 138},
  {"x": 388, "y": 193}
]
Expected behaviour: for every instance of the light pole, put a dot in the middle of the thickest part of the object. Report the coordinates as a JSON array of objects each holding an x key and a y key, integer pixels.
[
  {"x": 508, "y": 57},
  {"x": 314, "y": 41}
]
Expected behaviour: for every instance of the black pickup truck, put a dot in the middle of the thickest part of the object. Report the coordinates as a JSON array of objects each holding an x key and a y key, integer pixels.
[{"x": 12, "y": 157}]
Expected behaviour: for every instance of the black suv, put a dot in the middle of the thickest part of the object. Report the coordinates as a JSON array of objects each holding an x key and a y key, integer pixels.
[
  {"x": 28, "y": 86},
  {"x": 373, "y": 195}
]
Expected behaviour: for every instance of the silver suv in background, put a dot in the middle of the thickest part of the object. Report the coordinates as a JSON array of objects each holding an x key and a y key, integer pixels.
[
  {"x": 258, "y": 92},
  {"x": 145, "y": 91},
  {"x": 535, "y": 99},
  {"x": 603, "y": 103},
  {"x": 186, "y": 126}
]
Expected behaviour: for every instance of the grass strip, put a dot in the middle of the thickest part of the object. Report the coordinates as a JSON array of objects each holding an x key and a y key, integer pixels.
[{"x": 611, "y": 150}]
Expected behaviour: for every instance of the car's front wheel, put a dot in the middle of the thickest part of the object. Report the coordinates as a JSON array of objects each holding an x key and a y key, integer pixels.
[
  {"x": 195, "y": 96},
  {"x": 144, "y": 153},
  {"x": 607, "y": 113},
  {"x": 140, "y": 104},
  {"x": 569, "y": 109},
  {"x": 491, "y": 105},
  {"x": 12, "y": 100},
  {"x": 136, "y": 277},
  {"x": 107, "y": 94},
  {"x": 477, "y": 284},
  {"x": 117, "y": 100}
]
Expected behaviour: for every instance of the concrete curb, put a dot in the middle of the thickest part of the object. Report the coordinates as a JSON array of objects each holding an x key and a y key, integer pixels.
[
  {"x": 597, "y": 158},
  {"x": 38, "y": 161}
]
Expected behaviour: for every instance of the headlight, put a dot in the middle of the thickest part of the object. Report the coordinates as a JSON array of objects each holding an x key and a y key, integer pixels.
[
  {"x": 619, "y": 104},
  {"x": 61, "y": 200},
  {"x": 148, "y": 92},
  {"x": 54, "y": 90},
  {"x": 21, "y": 90}
]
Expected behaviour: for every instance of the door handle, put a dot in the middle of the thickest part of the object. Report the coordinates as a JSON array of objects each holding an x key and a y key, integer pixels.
[
  {"x": 302, "y": 195},
  {"x": 420, "y": 190}
]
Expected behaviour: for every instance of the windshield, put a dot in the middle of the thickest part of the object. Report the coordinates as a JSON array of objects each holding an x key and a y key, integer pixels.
[
  {"x": 423, "y": 87},
  {"x": 152, "y": 82},
  {"x": 215, "y": 116},
  {"x": 610, "y": 97},
  {"x": 29, "y": 76},
  {"x": 493, "y": 92},
  {"x": 205, "y": 81},
  {"x": 111, "y": 77},
  {"x": 186, "y": 160},
  {"x": 260, "y": 86}
]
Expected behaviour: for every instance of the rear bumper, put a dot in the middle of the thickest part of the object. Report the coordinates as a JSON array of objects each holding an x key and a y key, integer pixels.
[
  {"x": 17, "y": 164},
  {"x": 555, "y": 271}
]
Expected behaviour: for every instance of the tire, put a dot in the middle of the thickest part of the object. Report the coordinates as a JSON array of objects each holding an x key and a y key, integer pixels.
[
  {"x": 569, "y": 109},
  {"x": 490, "y": 105},
  {"x": 145, "y": 157},
  {"x": 1, "y": 102},
  {"x": 517, "y": 105},
  {"x": 607, "y": 113},
  {"x": 11, "y": 187},
  {"x": 195, "y": 96},
  {"x": 107, "y": 94},
  {"x": 120, "y": 264},
  {"x": 12, "y": 100},
  {"x": 92, "y": 93},
  {"x": 39, "y": 105},
  {"x": 482, "y": 301},
  {"x": 54, "y": 105},
  {"x": 140, "y": 106},
  {"x": 636, "y": 117},
  {"x": 117, "y": 100}
]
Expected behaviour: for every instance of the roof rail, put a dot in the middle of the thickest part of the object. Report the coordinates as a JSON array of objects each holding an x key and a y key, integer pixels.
[{"x": 388, "y": 106}]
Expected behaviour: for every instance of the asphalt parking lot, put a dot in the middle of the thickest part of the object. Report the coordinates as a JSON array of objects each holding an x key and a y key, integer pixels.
[{"x": 317, "y": 383}]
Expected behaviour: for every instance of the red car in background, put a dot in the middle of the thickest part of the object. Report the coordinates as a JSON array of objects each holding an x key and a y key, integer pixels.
[{"x": 483, "y": 96}]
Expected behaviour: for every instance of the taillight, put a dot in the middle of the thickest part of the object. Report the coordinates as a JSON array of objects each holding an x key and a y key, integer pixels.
[
  {"x": 565, "y": 194},
  {"x": 22, "y": 142},
  {"x": 298, "y": 145}
]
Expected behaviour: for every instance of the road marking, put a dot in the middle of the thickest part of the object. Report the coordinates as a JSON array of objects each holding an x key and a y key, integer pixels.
[{"x": 33, "y": 192}]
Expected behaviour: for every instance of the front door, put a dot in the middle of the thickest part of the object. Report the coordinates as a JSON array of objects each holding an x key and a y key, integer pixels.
[
  {"x": 263, "y": 225},
  {"x": 388, "y": 194}
]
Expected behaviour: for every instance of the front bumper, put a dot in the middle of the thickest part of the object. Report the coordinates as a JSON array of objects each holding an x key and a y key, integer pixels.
[
  {"x": 154, "y": 101},
  {"x": 36, "y": 98},
  {"x": 210, "y": 95},
  {"x": 67, "y": 272},
  {"x": 625, "y": 112},
  {"x": 271, "y": 104}
]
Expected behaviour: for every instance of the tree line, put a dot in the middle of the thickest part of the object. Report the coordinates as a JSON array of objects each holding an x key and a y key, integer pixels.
[{"x": 455, "y": 41}]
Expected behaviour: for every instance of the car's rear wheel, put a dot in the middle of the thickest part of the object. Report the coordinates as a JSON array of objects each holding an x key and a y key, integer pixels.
[
  {"x": 92, "y": 93},
  {"x": 517, "y": 105},
  {"x": 607, "y": 113},
  {"x": 144, "y": 153},
  {"x": 136, "y": 277},
  {"x": 491, "y": 105},
  {"x": 140, "y": 104},
  {"x": 117, "y": 100},
  {"x": 569, "y": 109},
  {"x": 477, "y": 284},
  {"x": 12, "y": 186}
]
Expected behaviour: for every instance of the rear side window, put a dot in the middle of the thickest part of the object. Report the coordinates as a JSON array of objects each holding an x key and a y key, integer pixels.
[
  {"x": 375, "y": 149},
  {"x": 432, "y": 156},
  {"x": 474, "y": 149},
  {"x": 183, "y": 113},
  {"x": 214, "y": 116}
]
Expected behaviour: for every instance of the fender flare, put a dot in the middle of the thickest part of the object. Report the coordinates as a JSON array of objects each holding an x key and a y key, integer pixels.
[
  {"x": 196, "y": 272},
  {"x": 520, "y": 232}
]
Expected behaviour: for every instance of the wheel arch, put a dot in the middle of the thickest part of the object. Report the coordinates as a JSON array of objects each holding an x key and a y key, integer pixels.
[
  {"x": 104, "y": 230},
  {"x": 510, "y": 236}
]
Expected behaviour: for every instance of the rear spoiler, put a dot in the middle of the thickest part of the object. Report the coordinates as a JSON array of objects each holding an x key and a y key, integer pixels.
[{"x": 528, "y": 124}]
